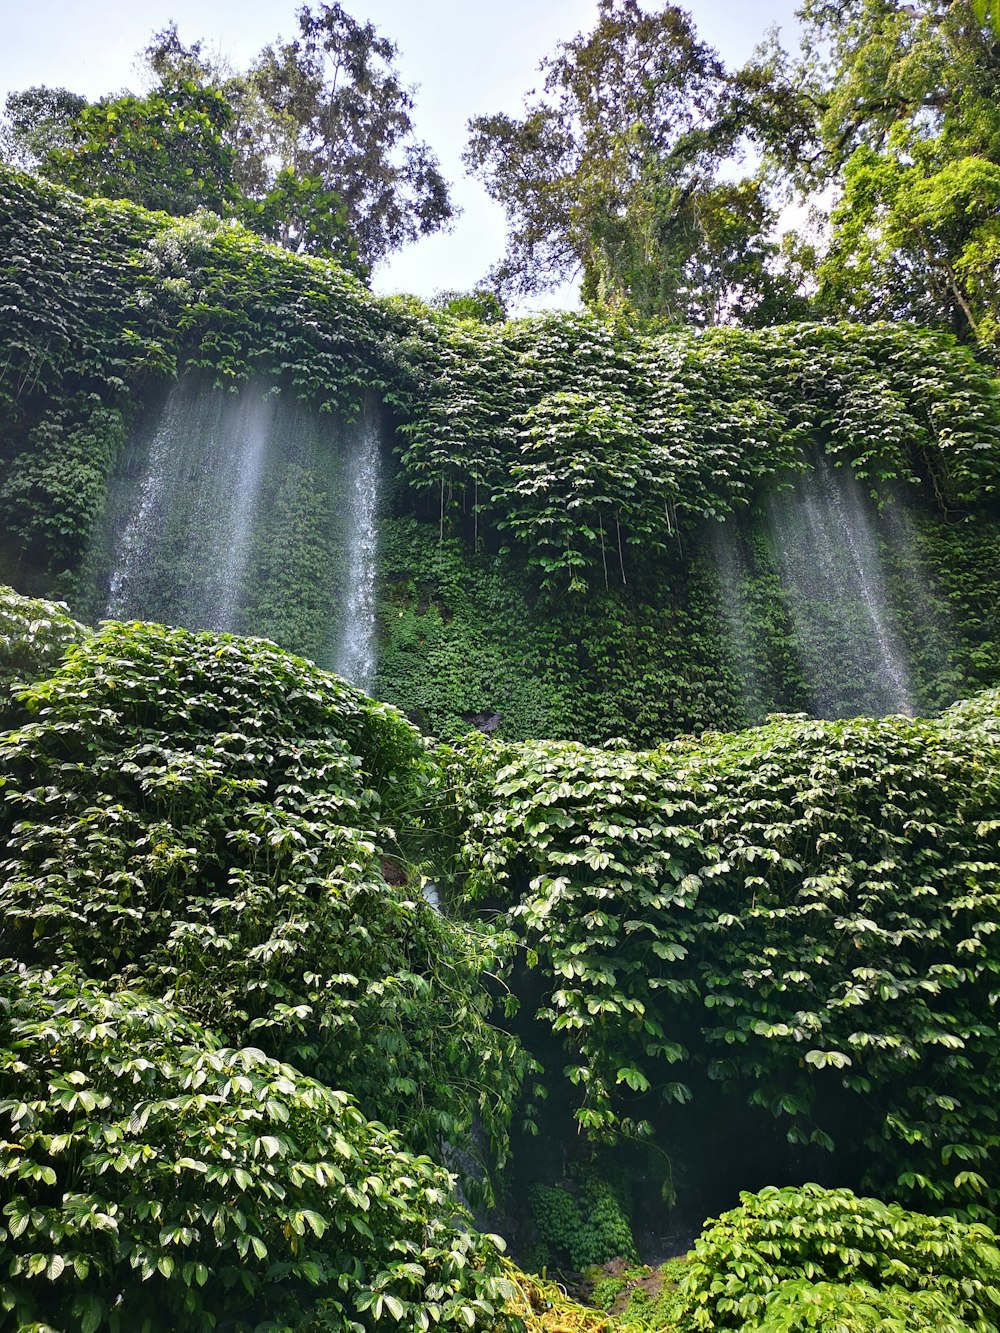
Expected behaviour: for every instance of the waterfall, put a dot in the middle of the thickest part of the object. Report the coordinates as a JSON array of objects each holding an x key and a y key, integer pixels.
[
  {"x": 355, "y": 657},
  {"x": 827, "y": 552},
  {"x": 197, "y": 494},
  {"x": 732, "y": 574},
  {"x": 126, "y": 578},
  {"x": 246, "y": 512}
]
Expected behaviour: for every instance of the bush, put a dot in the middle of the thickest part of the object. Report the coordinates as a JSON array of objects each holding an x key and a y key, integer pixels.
[
  {"x": 153, "y": 1179},
  {"x": 34, "y": 637},
  {"x": 218, "y": 818},
  {"x": 580, "y": 1229},
  {"x": 799, "y": 917},
  {"x": 804, "y": 1258},
  {"x": 833, "y": 1307}
]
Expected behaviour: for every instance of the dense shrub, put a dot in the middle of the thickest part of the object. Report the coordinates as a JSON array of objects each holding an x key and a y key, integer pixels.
[
  {"x": 800, "y": 916},
  {"x": 221, "y": 821},
  {"x": 797, "y": 1259},
  {"x": 580, "y": 1227},
  {"x": 34, "y": 637},
  {"x": 153, "y": 1179}
]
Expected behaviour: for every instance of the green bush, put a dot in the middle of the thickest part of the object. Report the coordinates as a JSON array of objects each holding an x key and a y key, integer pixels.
[
  {"x": 804, "y": 1258},
  {"x": 217, "y": 819},
  {"x": 34, "y": 637},
  {"x": 799, "y": 917},
  {"x": 55, "y": 490},
  {"x": 579, "y": 1228},
  {"x": 153, "y": 1179},
  {"x": 856, "y": 1307}
]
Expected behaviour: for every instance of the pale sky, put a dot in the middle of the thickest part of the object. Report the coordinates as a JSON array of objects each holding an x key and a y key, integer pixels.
[{"x": 466, "y": 59}]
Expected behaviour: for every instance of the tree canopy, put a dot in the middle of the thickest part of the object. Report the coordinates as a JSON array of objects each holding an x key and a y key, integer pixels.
[
  {"x": 624, "y": 171},
  {"x": 892, "y": 109},
  {"x": 617, "y": 141},
  {"x": 313, "y": 146}
]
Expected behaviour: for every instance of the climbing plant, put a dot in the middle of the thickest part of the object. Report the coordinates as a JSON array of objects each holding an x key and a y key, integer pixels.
[
  {"x": 152, "y": 1178},
  {"x": 583, "y": 465},
  {"x": 805, "y": 1258},
  {"x": 800, "y": 916}
]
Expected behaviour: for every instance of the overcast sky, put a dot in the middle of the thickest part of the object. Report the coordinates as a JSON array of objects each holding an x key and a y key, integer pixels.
[{"x": 466, "y": 59}]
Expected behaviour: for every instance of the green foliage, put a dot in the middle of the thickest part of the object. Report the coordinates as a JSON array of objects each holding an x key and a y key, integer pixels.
[
  {"x": 153, "y": 1178},
  {"x": 103, "y": 296},
  {"x": 894, "y": 105},
  {"x": 582, "y": 466},
  {"x": 313, "y": 146},
  {"x": 216, "y": 822},
  {"x": 567, "y": 454},
  {"x": 651, "y": 1302},
  {"x": 856, "y": 1306},
  {"x": 38, "y": 120},
  {"x": 164, "y": 151},
  {"x": 617, "y": 130},
  {"x": 481, "y": 304},
  {"x": 914, "y": 232},
  {"x": 564, "y": 420},
  {"x": 799, "y": 916},
  {"x": 457, "y": 644},
  {"x": 702, "y": 637},
  {"x": 34, "y": 637},
  {"x": 342, "y": 115},
  {"x": 597, "y": 452},
  {"x": 986, "y": 11},
  {"x": 54, "y": 491},
  {"x": 579, "y": 1228},
  {"x": 300, "y": 213},
  {"x": 797, "y": 1259}
]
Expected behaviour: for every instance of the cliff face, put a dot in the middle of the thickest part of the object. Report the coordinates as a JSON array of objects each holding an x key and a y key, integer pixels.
[
  {"x": 571, "y": 528},
  {"x": 710, "y": 964}
]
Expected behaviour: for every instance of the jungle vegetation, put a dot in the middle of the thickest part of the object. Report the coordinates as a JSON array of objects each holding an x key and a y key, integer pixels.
[{"x": 305, "y": 993}]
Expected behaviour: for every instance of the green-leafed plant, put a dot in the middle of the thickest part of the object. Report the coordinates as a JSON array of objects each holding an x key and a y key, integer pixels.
[
  {"x": 542, "y": 458},
  {"x": 227, "y": 825},
  {"x": 34, "y": 637},
  {"x": 804, "y": 1258},
  {"x": 799, "y": 916},
  {"x": 579, "y": 1228},
  {"x": 154, "y": 1179}
]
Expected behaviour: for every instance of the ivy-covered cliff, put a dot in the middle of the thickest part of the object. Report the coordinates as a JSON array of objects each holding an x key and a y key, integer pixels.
[
  {"x": 584, "y": 531},
  {"x": 273, "y": 958}
]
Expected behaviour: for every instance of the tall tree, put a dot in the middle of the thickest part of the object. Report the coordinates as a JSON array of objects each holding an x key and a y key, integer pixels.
[
  {"x": 895, "y": 105},
  {"x": 611, "y": 173},
  {"x": 324, "y": 116},
  {"x": 340, "y": 113},
  {"x": 36, "y": 121}
]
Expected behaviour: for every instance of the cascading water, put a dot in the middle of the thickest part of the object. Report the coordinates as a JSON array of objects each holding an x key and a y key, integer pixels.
[
  {"x": 249, "y": 513},
  {"x": 827, "y": 553},
  {"x": 125, "y": 581},
  {"x": 197, "y": 496},
  {"x": 732, "y": 579},
  {"x": 355, "y": 658}
]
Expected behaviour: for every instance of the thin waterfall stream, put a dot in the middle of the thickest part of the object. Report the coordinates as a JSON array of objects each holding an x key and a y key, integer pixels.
[
  {"x": 184, "y": 548},
  {"x": 809, "y": 585},
  {"x": 355, "y": 658},
  {"x": 827, "y": 552}
]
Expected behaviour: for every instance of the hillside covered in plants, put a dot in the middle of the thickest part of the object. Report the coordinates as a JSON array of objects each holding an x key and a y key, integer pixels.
[
  {"x": 766, "y": 957},
  {"x": 499, "y": 815}
]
